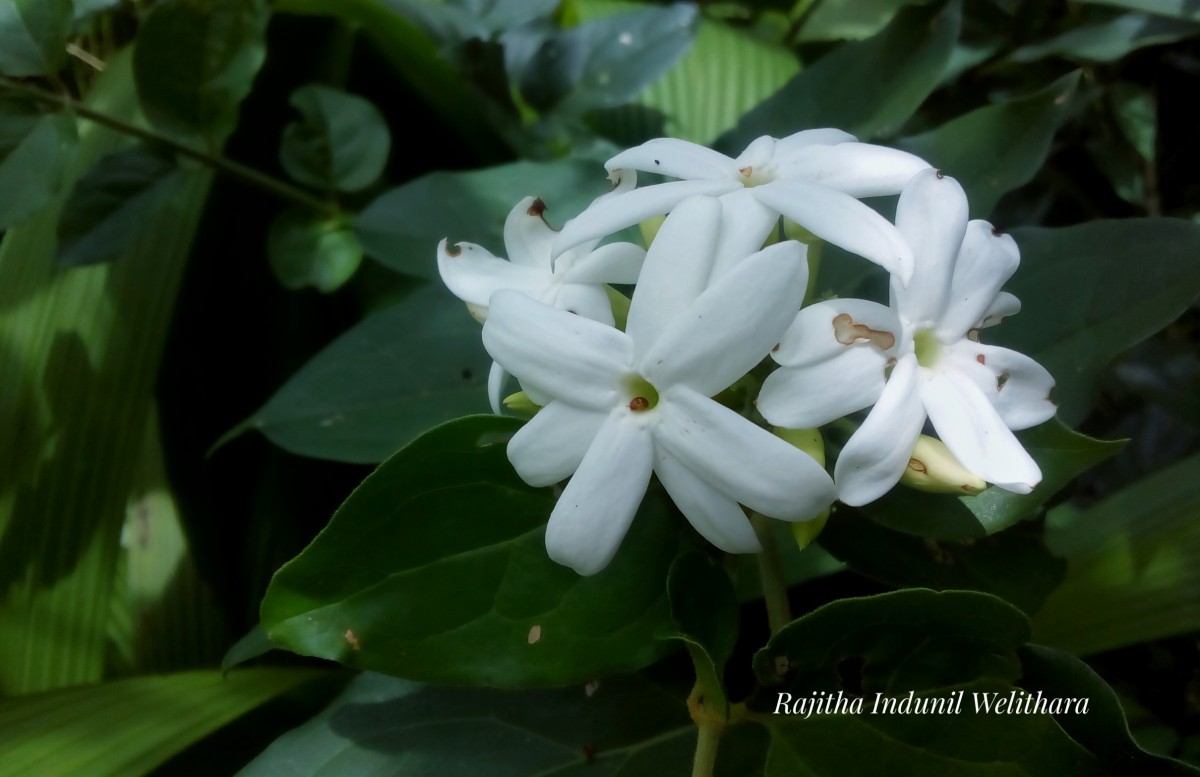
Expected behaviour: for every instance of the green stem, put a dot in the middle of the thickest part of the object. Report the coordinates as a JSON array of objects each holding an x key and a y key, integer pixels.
[
  {"x": 770, "y": 574},
  {"x": 707, "y": 739},
  {"x": 219, "y": 163}
]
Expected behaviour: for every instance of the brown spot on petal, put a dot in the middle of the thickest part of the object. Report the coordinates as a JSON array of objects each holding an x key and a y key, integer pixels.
[
  {"x": 453, "y": 250},
  {"x": 980, "y": 358},
  {"x": 638, "y": 404},
  {"x": 996, "y": 231},
  {"x": 939, "y": 174},
  {"x": 747, "y": 171},
  {"x": 846, "y": 332},
  {"x": 537, "y": 207},
  {"x": 776, "y": 348},
  {"x": 916, "y": 465}
]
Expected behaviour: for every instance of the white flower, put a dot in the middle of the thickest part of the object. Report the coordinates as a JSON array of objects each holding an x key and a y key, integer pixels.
[
  {"x": 625, "y": 404},
  {"x": 811, "y": 177},
  {"x": 574, "y": 281},
  {"x": 920, "y": 358}
]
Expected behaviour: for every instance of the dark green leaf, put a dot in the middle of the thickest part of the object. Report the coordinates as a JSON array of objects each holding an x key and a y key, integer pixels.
[
  {"x": 1103, "y": 730},
  {"x": 341, "y": 142},
  {"x": 401, "y": 228},
  {"x": 457, "y": 21},
  {"x": 371, "y": 391},
  {"x": 995, "y": 149},
  {"x": 987, "y": 565},
  {"x": 1131, "y": 573},
  {"x": 254, "y": 643},
  {"x": 704, "y": 609},
  {"x": 1128, "y": 279},
  {"x": 34, "y": 151},
  {"x": 435, "y": 569},
  {"x": 111, "y": 202},
  {"x": 1108, "y": 41},
  {"x": 33, "y": 36},
  {"x": 1176, "y": 9},
  {"x": 305, "y": 250},
  {"x": 195, "y": 61},
  {"x": 868, "y": 88},
  {"x": 1136, "y": 112},
  {"x": 908, "y": 646},
  {"x": 831, "y": 20}
]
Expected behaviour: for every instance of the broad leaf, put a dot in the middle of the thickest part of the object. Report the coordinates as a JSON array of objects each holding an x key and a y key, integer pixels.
[
  {"x": 833, "y": 20},
  {"x": 35, "y": 149},
  {"x": 110, "y": 202},
  {"x": 305, "y": 250},
  {"x": 993, "y": 150},
  {"x": 1176, "y": 9},
  {"x": 194, "y": 62},
  {"x": 341, "y": 141},
  {"x": 401, "y": 228},
  {"x": 435, "y": 569},
  {"x": 70, "y": 731},
  {"x": 868, "y": 88},
  {"x": 1108, "y": 41},
  {"x": 33, "y": 36},
  {"x": 1131, "y": 575},
  {"x": 1128, "y": 279},
  {"x": 704, "y": 611},
  {"x": 375, "y": 388}
]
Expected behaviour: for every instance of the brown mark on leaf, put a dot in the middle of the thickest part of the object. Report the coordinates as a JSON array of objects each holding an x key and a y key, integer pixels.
[
  {"x": 638, "y": 404},
  {"x": 453, "y": 250},
  {"x": 535, "y": 633},
  {"x": 782, "y": 665},
  {"x": 590, "y": 689},
  {"x": 537, "y": 208},
  {"x": 846, "y": 332},
  {"x": 352, "y": 640}
]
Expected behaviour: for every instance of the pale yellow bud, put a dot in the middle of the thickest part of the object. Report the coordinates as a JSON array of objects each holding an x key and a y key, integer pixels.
[
  {"x": 933, "y": 468},
  {"x": 811, "y": 442}
]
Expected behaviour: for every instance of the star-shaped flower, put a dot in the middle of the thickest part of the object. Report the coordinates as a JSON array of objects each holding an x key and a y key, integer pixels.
[
  {"x": 626, "y": 404},
  {"x": 813, "y": 177},
  {"x": 920, "y": 358}
]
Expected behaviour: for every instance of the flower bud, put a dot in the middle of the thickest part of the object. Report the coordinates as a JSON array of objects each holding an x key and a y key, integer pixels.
[
  {"x": 649, "y": 228},
  {"x": 933, "y": 468},
  {"x": 521, "y": 404},
  {"x": 811, "y": 442}
]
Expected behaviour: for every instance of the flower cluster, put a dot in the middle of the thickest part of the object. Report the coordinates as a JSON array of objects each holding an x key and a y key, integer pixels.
[{"x": 617, "y": 404}]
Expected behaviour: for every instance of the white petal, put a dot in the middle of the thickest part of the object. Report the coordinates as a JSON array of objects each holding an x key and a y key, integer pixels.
[
  {"x": 745, "y": 225},
  {"x": 857, "y": 169},
  {"x": 1021, "y": 387},
  {"x": 840, "y": 219},
  {"x": 608, "y": 215},
  {"x": 676, "y": 158},
  {"x": 1002, "y": 307},
  {"x": 556, "y": 353},
  {"x": 932, "y": 216},
  {"x": 731, "y": 326},
  {"x": 974, "y": 432},
  {"x": 594, "y": 512},
  {"x": 473, "y": 274},
  {"x": 527, "y": 236},
  {"x": 784, "y": 147},
  {"x": 613, "y": 263},
  {"x": 985, "y": 261},
  {"x": 676, "y": 270},
  {"x": 497, "y": 376},
  {"x": 740, "y": 459},
  {"x": 813, "y": 395},
  {"x": 823, "y": 330},
  {"x": 587, "y": 300},
  {"x": 552, "y": 444},
  {"x": 875, "y": 456},
  {"x": 718, "y": 518}
]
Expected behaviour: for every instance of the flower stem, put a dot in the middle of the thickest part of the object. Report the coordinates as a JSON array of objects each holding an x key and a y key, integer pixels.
[
  {"x": 770, "y": 574},
  {"x": 707, "y": 738},
  {"x": 219, "y": 163}
]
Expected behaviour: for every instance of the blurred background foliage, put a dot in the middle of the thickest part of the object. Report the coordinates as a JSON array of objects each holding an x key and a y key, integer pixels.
[{"x": 219, "y": 222}]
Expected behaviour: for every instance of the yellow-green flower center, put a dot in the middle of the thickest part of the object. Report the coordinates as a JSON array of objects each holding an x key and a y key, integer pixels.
[
  {"x": 642, "y": 395},
  {"x": 927, "y": 347}
]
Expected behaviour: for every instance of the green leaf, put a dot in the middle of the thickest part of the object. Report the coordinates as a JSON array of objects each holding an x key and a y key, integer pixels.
[
  {"x": 305, "y": 250},
  {"x": 704, "y": 609},
  {"x": 1136, "y": 113},
  {"x": 195, "y": 61},
  {"x": 341, "y": 142},
  {"x": 617, "y": 727},
  {"x": 35, "y": 149},
  {"x": 379, "y": 385},
  {"x": 435, "y": 569},
  {"x": 916, "y": 645},
  {"x": 33, "y": 36},
  {"x": 868, "y": 88},
  {"x": 899, "y": 559},
  {"x": 1128, "y": 278},
  {"x": 70, "y": 731},
  {"x": 1176, "y": 9},
  {"x": 1108, "y": 41},
  {"x": 402, "y": 227},
  {"x": 994, "y": 150},
  {"x": 1131, "y": 575},
  {"x": 832, "y": 20},
  {"x": 110, "y": 202}
]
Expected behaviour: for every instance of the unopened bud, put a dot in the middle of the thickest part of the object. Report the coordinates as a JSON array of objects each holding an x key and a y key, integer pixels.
[
  {"x": 521, "y": 404},
  {"x": 933, "y": 468},
  {"x": 807, "y": 531},
  {"x": 811, "y": 442},
  {"x": 649, "y": 228}
]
